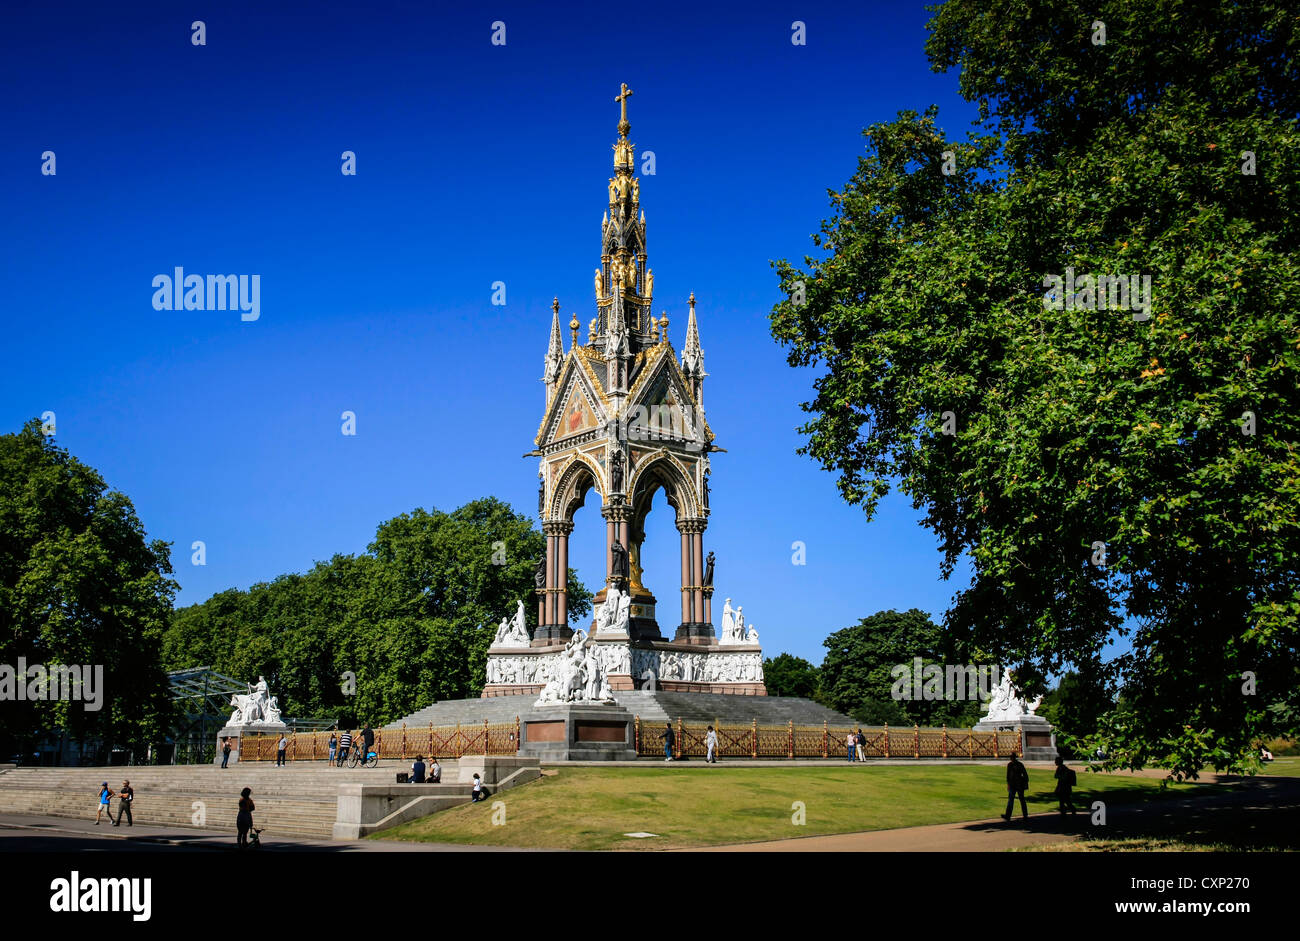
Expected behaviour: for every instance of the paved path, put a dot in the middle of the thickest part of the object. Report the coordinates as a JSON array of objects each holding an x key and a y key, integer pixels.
[{"x": 31, "y": 833}]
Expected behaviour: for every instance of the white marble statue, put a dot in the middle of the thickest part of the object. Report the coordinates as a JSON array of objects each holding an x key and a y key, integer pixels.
[
  {"x": 728, "y": 620},
  {"x": 1005, "y": 704},
  {"x": 615, "y": 613},
  {"x": 734, "y": 630},
  {"x": 257, "y": 707},
  {"x": 577, "y": 674},
  {"x": 513, "y": 632}
]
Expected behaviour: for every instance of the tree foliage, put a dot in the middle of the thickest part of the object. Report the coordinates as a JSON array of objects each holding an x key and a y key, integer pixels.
[
  {"x": 788, "y": 675},
  {"x": 411, "y": 619},
  {"x": 1085, "y": 428},
  {"x": 80, "y": 585},
  {"x": 857, "y": 679}
]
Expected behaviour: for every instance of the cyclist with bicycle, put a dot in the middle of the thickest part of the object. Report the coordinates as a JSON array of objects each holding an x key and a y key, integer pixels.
[{"x": 345, "y": 743}]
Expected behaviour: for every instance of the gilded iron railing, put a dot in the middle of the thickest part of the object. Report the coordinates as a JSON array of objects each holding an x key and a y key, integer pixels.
[
  {"x": 824, "y": 741},
  {"x": 442, "y": 741}
]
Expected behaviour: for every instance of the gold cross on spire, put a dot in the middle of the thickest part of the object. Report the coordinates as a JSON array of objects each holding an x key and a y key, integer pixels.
[{"x": 622, "y": 100}]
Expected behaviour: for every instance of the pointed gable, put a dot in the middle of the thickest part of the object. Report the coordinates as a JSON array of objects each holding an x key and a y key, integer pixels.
[{"x": 576, "y": 407}]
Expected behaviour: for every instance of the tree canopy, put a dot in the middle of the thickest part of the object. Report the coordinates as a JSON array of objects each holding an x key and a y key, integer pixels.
[
  {"x": 858, "y": 674},
  {"x": 80, "y": 585},
  {"x": 1111, "y": 474},
  {"x": 788, "y": 675},
  {"x": 411, "y": 618}
]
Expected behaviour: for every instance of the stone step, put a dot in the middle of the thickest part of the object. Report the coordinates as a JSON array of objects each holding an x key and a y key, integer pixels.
[{"x": 657, "y": 706}]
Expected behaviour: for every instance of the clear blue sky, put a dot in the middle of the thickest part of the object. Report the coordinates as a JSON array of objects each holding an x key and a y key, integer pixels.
[{"x": 475, "y": 163}]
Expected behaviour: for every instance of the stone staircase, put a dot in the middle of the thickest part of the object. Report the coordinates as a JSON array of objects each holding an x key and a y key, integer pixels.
[
  {"x": 657, "y": 706},
  {"x": 300, "y": 799}
]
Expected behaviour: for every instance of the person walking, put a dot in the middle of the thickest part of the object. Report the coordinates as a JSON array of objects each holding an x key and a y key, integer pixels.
[
  {"x": 417, "y": 770},
  {"x": 280, "y": 748},
  {"x": 711, "y": 740},
  {"x": 334, "y": 745},
  {"x": 478, "y": 789},
  {"x": 435, "y": 772},
  {"x": 345, "y": 743},
  {"x": 1017, "y": 781},
  {"x": 669, "y": 740},
  {"x": 862, "y": 745},
  {"x": 124, "y": 799},
  {"x": 851, "y": 741},
  {"x": 105, "y": 795},
  {"x": 225, "y": 751},
  {"x": 1065, "y": 781},
  {"x": 244, "y": 821}
]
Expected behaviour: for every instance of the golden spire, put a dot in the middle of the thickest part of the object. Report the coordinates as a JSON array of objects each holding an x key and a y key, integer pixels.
[
  {"x": 573, "y": 329},
  {"x": 623, "y": 126},
  {"x": 623, "y": 148}
]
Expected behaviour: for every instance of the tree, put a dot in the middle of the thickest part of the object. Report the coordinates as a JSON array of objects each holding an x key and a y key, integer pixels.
[
  {"x": 409, "y": 621},
  {"x": 80, "y": 585},
  {"x": 788, "y": 675},
  {"x": 1109, "y": 473},
  {"x": 858, "y": 676},
  {"x": 1074, "y": 708}
]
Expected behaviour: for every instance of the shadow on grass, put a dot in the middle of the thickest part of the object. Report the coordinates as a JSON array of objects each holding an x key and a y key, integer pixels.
[{"x": 1244, "y": 814}]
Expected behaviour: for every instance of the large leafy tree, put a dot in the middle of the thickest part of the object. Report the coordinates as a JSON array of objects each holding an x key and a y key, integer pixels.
[
  {"x": 1110, "y": 478},
  {"x": 80, "y": 584},
  {"x": 788, "y": 675},
  {"x": 411, "y": 619},
  {"x": 857, "y": 675}
]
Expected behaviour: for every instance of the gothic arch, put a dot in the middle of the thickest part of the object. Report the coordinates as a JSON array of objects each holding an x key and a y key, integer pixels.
[
  {"x": 579, "y": 475},
  {"x": 661, "y": 469}
]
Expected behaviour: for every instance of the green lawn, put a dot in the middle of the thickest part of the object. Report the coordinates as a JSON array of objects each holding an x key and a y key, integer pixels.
[
  {"x": 587, "y": 808},
  {"x": 1287, "y": 766}
]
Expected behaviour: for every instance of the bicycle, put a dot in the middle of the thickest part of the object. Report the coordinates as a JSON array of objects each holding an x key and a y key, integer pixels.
[{"x": 369, "y": 761}]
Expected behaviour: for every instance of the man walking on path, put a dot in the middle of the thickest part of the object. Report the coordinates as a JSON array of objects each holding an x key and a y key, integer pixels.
[
  {"x": 1065, "y": 780},
  {"x": 1017, "y": 781},
  {"x": 711, "y": 740},
  {"x": 105, "y": 795},
  {"x": 862, "y": 746},
  {"x": 124, "y": 798},
  {"x": 280, "y": 748},
  {"x": 668, "y": 737}
]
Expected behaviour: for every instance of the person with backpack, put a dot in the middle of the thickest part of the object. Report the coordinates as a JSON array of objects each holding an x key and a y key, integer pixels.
[
  {"x": 105, "y": 795},
  {"x": 1017, "y": 781},
  {"x": 862, "y": 746},
  {"x": 124, "y": 799},
  {"x": 1065, "y": 781},
  {"x": 368, "y": 742}
]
